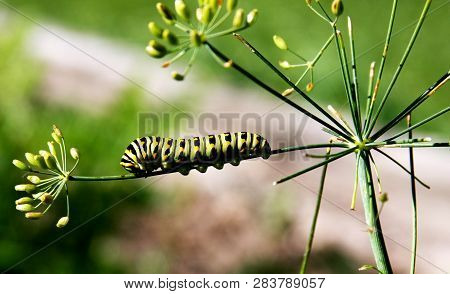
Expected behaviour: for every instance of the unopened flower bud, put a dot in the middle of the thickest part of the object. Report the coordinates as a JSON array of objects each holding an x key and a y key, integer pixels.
[
  {"x": 308, "y": 2},
  {"x": 24, "y": 207},
  {"x": 231, "y": 5},
  {"x": 196, "y": 38},
  {"x": 287, "y": 92},
  {"x": 182, "y": 9},
  {"x": 34, "y": 179},
  {"x": 74, "y": 153},
  {"x": 56, "y": 138},
  {"x": 31, "y": 159},
  {"x": 154, "y": 29},
  {"x": 24, "y": 200},
  {"x": 238, "y": 19},
  {"x": 285, "y": 64},
  {"x": 252, "y": 16},
  {"x": 51, "y": 148},
  {"x": 33, "y": 215},
  {"x": 280, "y": 42},
  {"x": 170, "y": 37},
  {"x": 214, "y": 4},
  {"x": 155, "y": 49},
  {"x": 383, "y": 197},
  {"x": 62, "y": 222},
  {"x": 207, "y": 14},
  {"x": 309, "y": 86},
  {"x": 46, "y": 198},
  {"x": 165, "y": 13},
  {"x": 25, "y": 188},
  {"x": 337, "y": 7},
  {"x": 57, "y": 131},
  {"x": 177, "y": 76},
  {"x": 20, "y": 165},
  {"x": 228, "y": 64}
]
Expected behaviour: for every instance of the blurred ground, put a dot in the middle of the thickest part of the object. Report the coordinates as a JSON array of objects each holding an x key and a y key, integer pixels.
[{"x": 222, "y": 221}]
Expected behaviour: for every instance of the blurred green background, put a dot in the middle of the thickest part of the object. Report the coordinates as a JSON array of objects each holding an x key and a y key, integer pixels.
[{"x": 26, "y": 116}]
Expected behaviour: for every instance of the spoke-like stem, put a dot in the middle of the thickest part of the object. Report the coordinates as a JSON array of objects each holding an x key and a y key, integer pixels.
[
  {"x": 336, "y": 157},
  {"x": 371, "y": 212},
  {"x": 369, "y": 103},
  {"x": 290, "y": 83},
  {"x": 416, "y": 103},
  {"x": 382, "y": 63},
  {"x": 400, "y": 66},
  {"x": 273, "y": 91},
  {"x": 354, "y": 73},
  {"x": 312, "y": 231},
  {"x": 414, "y": 202},
  {"x": 305, "y": 147},
  {"x": 410, "y": 128},
  {"x": 402, "y": 167}
]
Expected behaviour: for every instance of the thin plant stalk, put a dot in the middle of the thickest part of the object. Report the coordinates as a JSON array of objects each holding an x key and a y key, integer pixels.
[
  {"x": 371, "y": 213},
  {"x": 401, "y": 64},
  {"x": 312, "y": 231},
  {"x": 414, "y": 202}
]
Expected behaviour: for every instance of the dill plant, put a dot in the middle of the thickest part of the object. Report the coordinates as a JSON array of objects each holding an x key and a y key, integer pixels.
[{"x": 48, "y": 173}]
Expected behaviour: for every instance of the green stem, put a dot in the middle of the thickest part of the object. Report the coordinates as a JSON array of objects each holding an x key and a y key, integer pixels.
[
  {"x": 336, "y": 157},
  {"x": 309, "y": 243},
  {"x": 414, "y": 202},
  {"x": 401, "y": 64},
  {"x": 304, "y": 147},
  {"x": 354, "y": 74},
  {"x": 371, "y": 212},
  {"x": 380, "y": 72}
]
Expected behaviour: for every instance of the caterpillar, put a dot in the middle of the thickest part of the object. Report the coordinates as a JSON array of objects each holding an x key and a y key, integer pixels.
[{"x": 150, "y": 153}]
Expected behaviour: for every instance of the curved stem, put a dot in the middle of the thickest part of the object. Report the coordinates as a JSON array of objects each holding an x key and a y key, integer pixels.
[{"x": 371, "y": 212}]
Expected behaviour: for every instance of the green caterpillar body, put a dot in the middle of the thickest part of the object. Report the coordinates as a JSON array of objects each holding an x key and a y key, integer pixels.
[{"x": 150, "y": 153}]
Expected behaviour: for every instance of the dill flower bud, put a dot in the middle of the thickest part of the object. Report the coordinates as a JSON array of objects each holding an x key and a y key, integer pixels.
[
  {"x": 74, "y": 153},
  {"x": 231, "y": 5},
  {"x": 57, "y": 131},
  {"x": 24, "y": 207},
  {"x": 252, "y": 16},
  {"x": 20, "y": 165},
  {"x": 51, "y": 148},
  {"x": 238, "y": 19},
  {"x": 287, "y": 92},
  {"x": 62, "y": 222},
  {"x": 182, "y": 10},
  {"x": 177, "y": 76},
  {"x": 169, "y": 37},
  {"x": 24, "y": 200},
  {"x": 56, "y": 138},
  {"x": 383, "y": 197},
  {"x": 165, "y": 13},
  {"x": 206, "y": 14},
  {"x": 285, "y": 64},
  {"x": 280, "y": 42},
  {"x": 33, "y": 215},
  {"x": 154, "y": 29},
  {"x": 46, "y": 198},
  {"x": 214, "y": 4},
  {"x": 25, "y": 188},
  {"x": 309, "y": 86},
  {"x": 31, "y": 159},
  {"x": 34, "y": 179},
  {"x": 337, "y": 7},
  {"x": 155, "y": 49}
]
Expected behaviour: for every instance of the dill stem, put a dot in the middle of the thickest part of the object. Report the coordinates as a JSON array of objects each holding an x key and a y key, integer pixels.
[
  {"x": 309, "y": 243},
  {"x": 414, "y": 202}
]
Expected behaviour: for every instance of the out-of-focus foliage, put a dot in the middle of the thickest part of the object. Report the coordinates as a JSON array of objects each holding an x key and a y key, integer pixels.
[{"x": 305, "y": 32}]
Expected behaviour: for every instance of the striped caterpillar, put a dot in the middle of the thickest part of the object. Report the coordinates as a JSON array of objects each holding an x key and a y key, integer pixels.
[{"x": 150, "y": 153}]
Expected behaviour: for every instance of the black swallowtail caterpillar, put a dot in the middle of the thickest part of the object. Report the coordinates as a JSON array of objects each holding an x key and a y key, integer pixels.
[{"x": 150, "y": 153}]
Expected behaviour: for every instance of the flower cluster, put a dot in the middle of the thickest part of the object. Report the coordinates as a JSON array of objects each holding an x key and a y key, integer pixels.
[
  {"x": 47, "y": 175},
  {"x": 336, "y": 9},
  {"x": 194, "y": 31}
]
